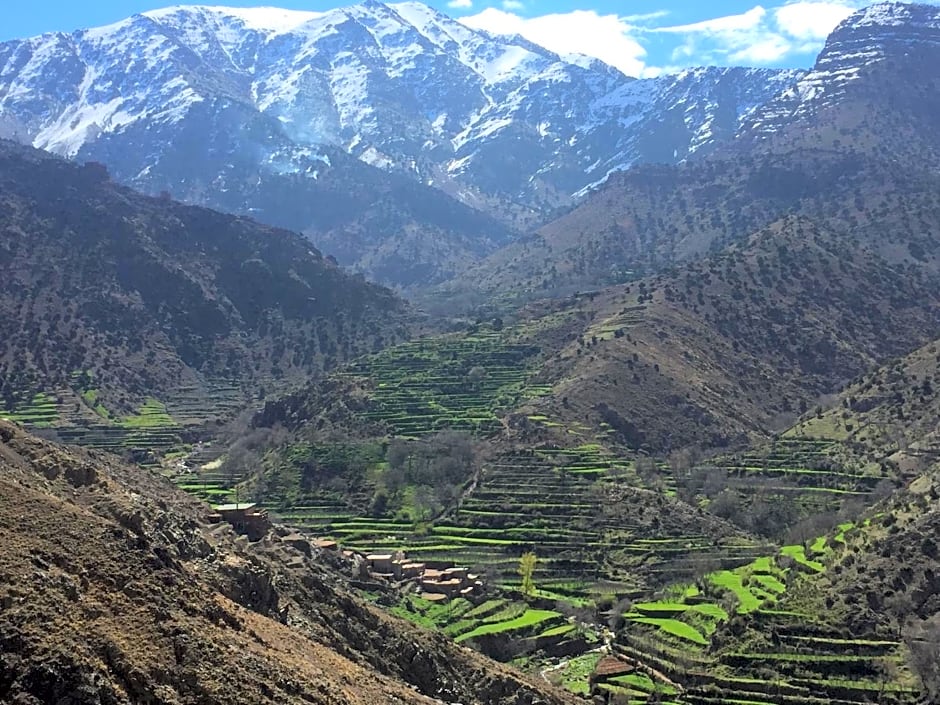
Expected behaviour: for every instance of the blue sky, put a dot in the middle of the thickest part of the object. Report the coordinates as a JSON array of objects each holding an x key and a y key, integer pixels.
[{"x": 641, "y": 37}]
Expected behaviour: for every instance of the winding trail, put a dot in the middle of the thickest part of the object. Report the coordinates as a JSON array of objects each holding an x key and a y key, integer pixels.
[{"x": 608, "y": 648}]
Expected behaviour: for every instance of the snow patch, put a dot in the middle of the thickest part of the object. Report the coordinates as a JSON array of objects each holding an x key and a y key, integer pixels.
[{"x": 269, "y": 20}]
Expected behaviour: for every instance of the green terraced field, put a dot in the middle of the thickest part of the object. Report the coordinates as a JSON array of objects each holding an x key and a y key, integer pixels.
[
  {"x": 450, "y": 382},
  {"x": 39, "y": 411},
  {"x": 556, "y": 501},
  {"x": 672, "y": 626},
  {"x": 804, "y": 473},
  {"x": 805, "y": 663},
  {"x": 152, "y": 413},
  {"x": 529, "y": 618}
]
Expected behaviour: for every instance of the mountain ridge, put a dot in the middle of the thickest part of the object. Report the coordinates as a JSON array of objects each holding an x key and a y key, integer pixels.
[
  {"x": 497, "y": 123},
  {"x": 142, "y": 294},
  {"x": 799, "y": 156}
]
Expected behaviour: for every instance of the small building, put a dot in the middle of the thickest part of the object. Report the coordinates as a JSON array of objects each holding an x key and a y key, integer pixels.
[
  {"x": 610, "y": 667},
  {"x": 298, "y": 541},
  {"x": 449, "y": 587},
  {"x": 381, "y": 563},
  {"x": 412, "y": 570},
  {"x": 247, "y": 519},
  {"x": 457, "y": 573},
  {"x": 326, "y": 545}
]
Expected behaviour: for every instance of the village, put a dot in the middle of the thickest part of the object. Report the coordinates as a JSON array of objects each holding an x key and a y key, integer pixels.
[{"x": 435, "y": 583}]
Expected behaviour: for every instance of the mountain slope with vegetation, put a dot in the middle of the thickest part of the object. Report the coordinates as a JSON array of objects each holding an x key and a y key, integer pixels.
[
  {"x": 123, "y": 297},
  {"x": 739, "y": 342}
]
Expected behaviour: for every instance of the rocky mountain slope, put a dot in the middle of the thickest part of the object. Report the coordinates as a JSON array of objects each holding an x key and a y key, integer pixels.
[
  {"x": 233, "y": 107},
  {"x": 127, "y": 296},
  {"x": 823, "y": 160},
  {"x": 873, "y": 60},
  {"x": 737, "y": 343},
  {"x": 116, "y": 590},
  {"x": 887, "y": 415}
]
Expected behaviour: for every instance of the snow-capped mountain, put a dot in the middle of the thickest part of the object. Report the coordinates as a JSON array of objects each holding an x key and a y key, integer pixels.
[
  {"x": 864, "y": 59},
  {"x": 494, "y": 121}
]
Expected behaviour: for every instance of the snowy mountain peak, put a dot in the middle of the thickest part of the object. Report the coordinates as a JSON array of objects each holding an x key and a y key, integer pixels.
[
  {"x": 892, "y": 14},
  {"x": 865, "y": 40},
  {"x": 269, "y": 20},
  {"x": 496, "y": 120}
]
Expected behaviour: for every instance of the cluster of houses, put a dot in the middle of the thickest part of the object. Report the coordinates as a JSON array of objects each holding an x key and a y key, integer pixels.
[{"x": 436, "y": 585}]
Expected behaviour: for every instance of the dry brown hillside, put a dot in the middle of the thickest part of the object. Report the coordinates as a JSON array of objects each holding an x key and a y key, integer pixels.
[
  {"x": 113, "y": 590},
  {"x": 737, "y": 343}
]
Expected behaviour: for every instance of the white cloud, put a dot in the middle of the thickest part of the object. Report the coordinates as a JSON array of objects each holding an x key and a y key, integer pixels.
[
  {"x": 761, "y": 37},
  {"x": 645, "y": 17},
  {"x": 460, "y": 4},
  {"x": 606, "y": 37},
  {"x": 811, "y": 20},
  {"x": 766, "y": 51},
  {"x": 732, "y": 23}
]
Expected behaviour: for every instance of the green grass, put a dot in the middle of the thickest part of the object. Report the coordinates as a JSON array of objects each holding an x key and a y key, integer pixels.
[
  {"x": 798, "y": 553},
  {"x": 41, "y": 411},
  {"x": 709, "y": 609},
  {"x": 576, "y": 674},
  {"x": 769, "y": 583},
  {"x": 528, "y": 619},
  {"x": 643, "y": 683},
  {"x": 654, "y": 607},
  {"x": 674, "y": 627},
  {"x": 91, "y": 397},
  {"x": 151, "y": 414},
  {"x": 558, "y": 631},
  {"x": 733, "y": 582}
]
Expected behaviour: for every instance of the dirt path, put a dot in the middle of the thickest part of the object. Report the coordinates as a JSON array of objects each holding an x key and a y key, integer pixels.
[
  {"x": 607, "y": 648},
  {"x": 469, "y": 490},
  {"x": 558, "y": 666}
]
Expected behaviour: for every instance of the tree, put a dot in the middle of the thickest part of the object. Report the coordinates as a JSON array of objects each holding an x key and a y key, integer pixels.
[
  {"x": 476, "y": 375},
  {"x": 923, "y": 639},
  {"x": 526, "y": 570}
]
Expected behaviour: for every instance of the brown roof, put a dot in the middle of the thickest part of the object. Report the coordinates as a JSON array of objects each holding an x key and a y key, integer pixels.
[
  {"x": 433, "y": 596},
  {"x": 442, "y": 583},
  {"x": 612, "y": 666}
]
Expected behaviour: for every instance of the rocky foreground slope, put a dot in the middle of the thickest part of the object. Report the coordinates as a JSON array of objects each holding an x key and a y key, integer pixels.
[{"x": 114, "y": 589}]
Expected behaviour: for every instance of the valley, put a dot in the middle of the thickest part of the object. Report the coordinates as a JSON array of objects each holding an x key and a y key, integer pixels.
[{"x": 635, "y": 402}]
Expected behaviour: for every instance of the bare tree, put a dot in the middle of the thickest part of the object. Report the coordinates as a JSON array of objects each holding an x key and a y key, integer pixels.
[{"x": 923, "y": 639}]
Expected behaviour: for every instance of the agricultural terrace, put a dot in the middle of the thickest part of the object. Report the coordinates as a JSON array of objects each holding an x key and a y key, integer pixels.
[
  {"x": 784, "y": 648},
  {"x": 150, "y": 434},
  {"x": 798, "y": 476},
  {"x": 463, "y": 382}
]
